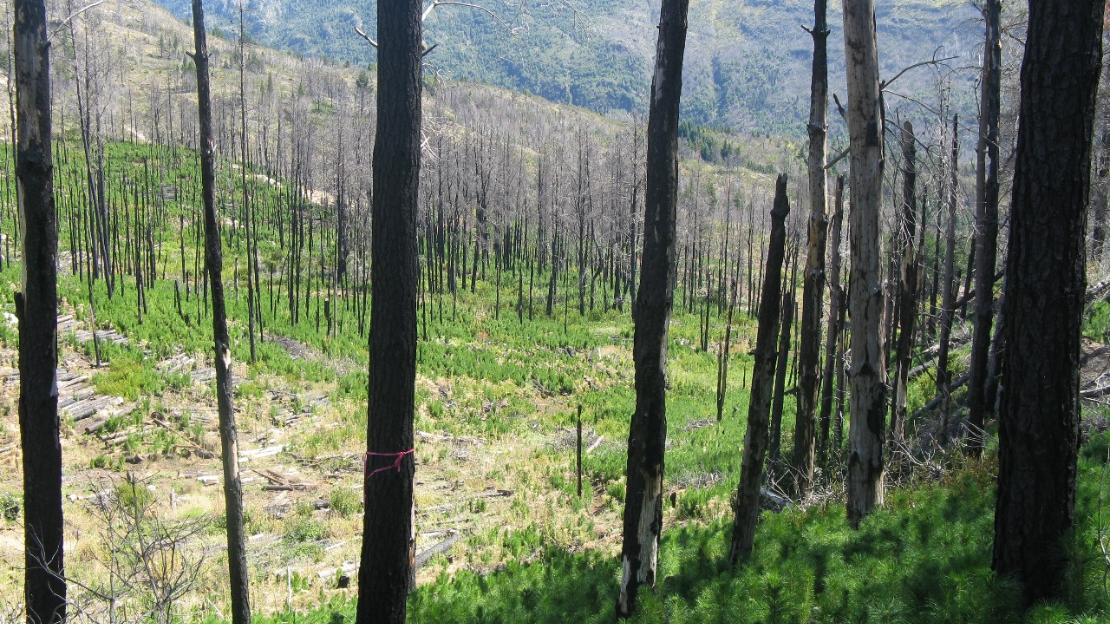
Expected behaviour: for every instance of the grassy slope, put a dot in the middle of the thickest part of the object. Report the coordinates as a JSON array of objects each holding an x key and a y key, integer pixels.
[{"x": 544, "y": 555}]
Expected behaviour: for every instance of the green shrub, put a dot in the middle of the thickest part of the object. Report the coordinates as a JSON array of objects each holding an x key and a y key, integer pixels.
[{"x": 345, "y": 501}]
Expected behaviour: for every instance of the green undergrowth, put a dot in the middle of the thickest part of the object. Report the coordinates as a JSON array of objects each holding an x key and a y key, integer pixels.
[{"x": 924, "y": 558}]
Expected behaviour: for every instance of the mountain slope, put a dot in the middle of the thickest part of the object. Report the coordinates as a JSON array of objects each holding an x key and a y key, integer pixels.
[{"x": 748, "y": 61}]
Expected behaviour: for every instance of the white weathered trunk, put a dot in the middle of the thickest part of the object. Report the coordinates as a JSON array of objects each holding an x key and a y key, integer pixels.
[{"x": 867, "y": 374}]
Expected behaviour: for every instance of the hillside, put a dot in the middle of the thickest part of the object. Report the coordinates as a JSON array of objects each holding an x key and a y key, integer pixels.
[
  {"x": 529, "y": 227},
  {"x": 747, "y": 62}
]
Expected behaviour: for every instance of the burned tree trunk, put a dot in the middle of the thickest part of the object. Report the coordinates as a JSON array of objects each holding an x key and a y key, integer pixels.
[
  {"x": 643, "y": 505},
  {"x": 388, "y": 541},
  {"x": 867, "y": 375},
  {"x": 907, "y": 294},
  {"x": 37, "y": 307},
  {"x": 213, "y": 256},
  {"x": 948, "y": 296},
  {"x": 979, "y": 403},
  {"x": 809, "y": 349},
  {"x": 832, "y": 334},
  {"x": 1045, "y": 284},
  {"x": 233, "y": 492},
  {"x": 746, "y": 504}
]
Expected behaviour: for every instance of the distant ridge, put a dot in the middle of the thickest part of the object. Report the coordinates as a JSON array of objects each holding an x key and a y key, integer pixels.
[{"x": 747, "y": 67}]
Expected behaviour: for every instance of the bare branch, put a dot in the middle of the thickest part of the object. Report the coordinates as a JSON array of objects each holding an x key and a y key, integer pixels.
[
  {"x": 73, "y": 15},
  {"x": 934, "y": 61},
  {"x": 478, "y": 7},
  {"x": 366, "y": 37}
]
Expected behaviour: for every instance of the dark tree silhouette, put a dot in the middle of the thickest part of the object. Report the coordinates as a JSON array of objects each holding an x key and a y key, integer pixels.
[
  {"x": 986, "y": 237},
  {"x": 1045, "y": 282},
  {"x": 746, "y": 504},
  {"x": 388, "y": 543},
  {"x": 213, "y": 258},
  {"x": 809, "y": 349},
  {"x": 37, "y": 308},
  {"x": 643, "y": 503}
]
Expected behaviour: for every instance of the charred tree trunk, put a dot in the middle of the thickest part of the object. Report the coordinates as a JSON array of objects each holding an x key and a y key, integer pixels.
[
  {"x": 746, "y": 504},
  {"x": 948, "y": 296},
  {"x": 987, "y": 233},
  {"x": 213, "y": 256},
  {"x": 809, "y": 349},
  {"x": 1045, "y": 282},
  {"x": 388, "y": 545},
  {"x": 643, "y": 505},
  {"x": 832, "y": 333},
  {"x": 37, "y": 307},
  {"x": 778, "y": 400},
  {"x": 867, "y": 376},
  {"x": 907, "y": 293}
]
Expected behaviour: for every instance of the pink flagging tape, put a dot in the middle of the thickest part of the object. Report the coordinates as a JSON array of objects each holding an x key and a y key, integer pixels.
[{"x": 397, "y": 457}]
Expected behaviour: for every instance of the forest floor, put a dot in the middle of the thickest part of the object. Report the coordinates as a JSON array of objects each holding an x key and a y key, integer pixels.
[
  {"x": 301, "y": 460},
  {"x": 496, "y": 493}
]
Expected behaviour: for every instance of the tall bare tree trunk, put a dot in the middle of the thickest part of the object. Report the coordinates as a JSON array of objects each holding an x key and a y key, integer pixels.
[
  {"x": 867, "y": 375},
  {"x": 809, "y": 349},
  {"x": 1045, "y": 283},
  {"x": 213, "y": 257},
  {"x": 388, "y": 542},
  {"x": 37, "y": 307},
  {"x": 986, "y": 180},
  {"x": 643, "y": 504},
  {"x": 746, "y": 504},
  {"x": 832, "y": 333},
  {"x": 907, "y": 295},
  {"x": 247, "y": 213},
  {"x": 948, "y": 295}
]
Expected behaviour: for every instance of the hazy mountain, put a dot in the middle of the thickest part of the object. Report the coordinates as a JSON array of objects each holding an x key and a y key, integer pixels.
[{"x": 747, "y": 66}]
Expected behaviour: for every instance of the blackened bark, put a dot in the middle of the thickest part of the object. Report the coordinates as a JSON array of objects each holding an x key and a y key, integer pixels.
[
  {"x": 948, "y": 295},
  {"x": 832, "y": 333},
  {"x": 986, "y": 239},
  {"x": 386, "y": 571},
  {"x": 643, "y": 505},
  {"x": 809, "y": 349},
  {"x": 1045, "y": 283},
  {"x": 778, "y": 394},
  {"x": 213, "y": 257},
  {"x": 745, "y": 506},
  {"x": 867, "y": 375},
  {"x": 37, "y": 307},
  {"x": 907, "y": 293}
]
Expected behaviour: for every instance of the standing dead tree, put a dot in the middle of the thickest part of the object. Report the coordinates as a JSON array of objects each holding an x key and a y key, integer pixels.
[
  {"x": 647, "y": 437},
  {"x": 1045, "y": 283},
  {"x": 867, "y": 375},
  {"x": 213, "y": 255},
  {"x": 388, "y": 546},
  {"x": 809, "y": 351},
  {"x": 37, "y": 309},
  {"x": 746, "y": 504}
]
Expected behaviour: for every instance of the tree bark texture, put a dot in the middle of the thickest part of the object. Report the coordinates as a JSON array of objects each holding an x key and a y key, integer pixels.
[
  {"x": 37, "y": 307},
  {"x": 213, "y": 256},
  {"x": 388, "y": 545},
  {"x": 910, "y": 278},
  {"x": 1045, "y": 284},
  {"x": 809, "y": 349},
  {"x": 867, "y": 376},
  {"x": 643, "y": 505},
  {"x": 986, "y": 239},
  {"x": 745, "y": 506}
]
